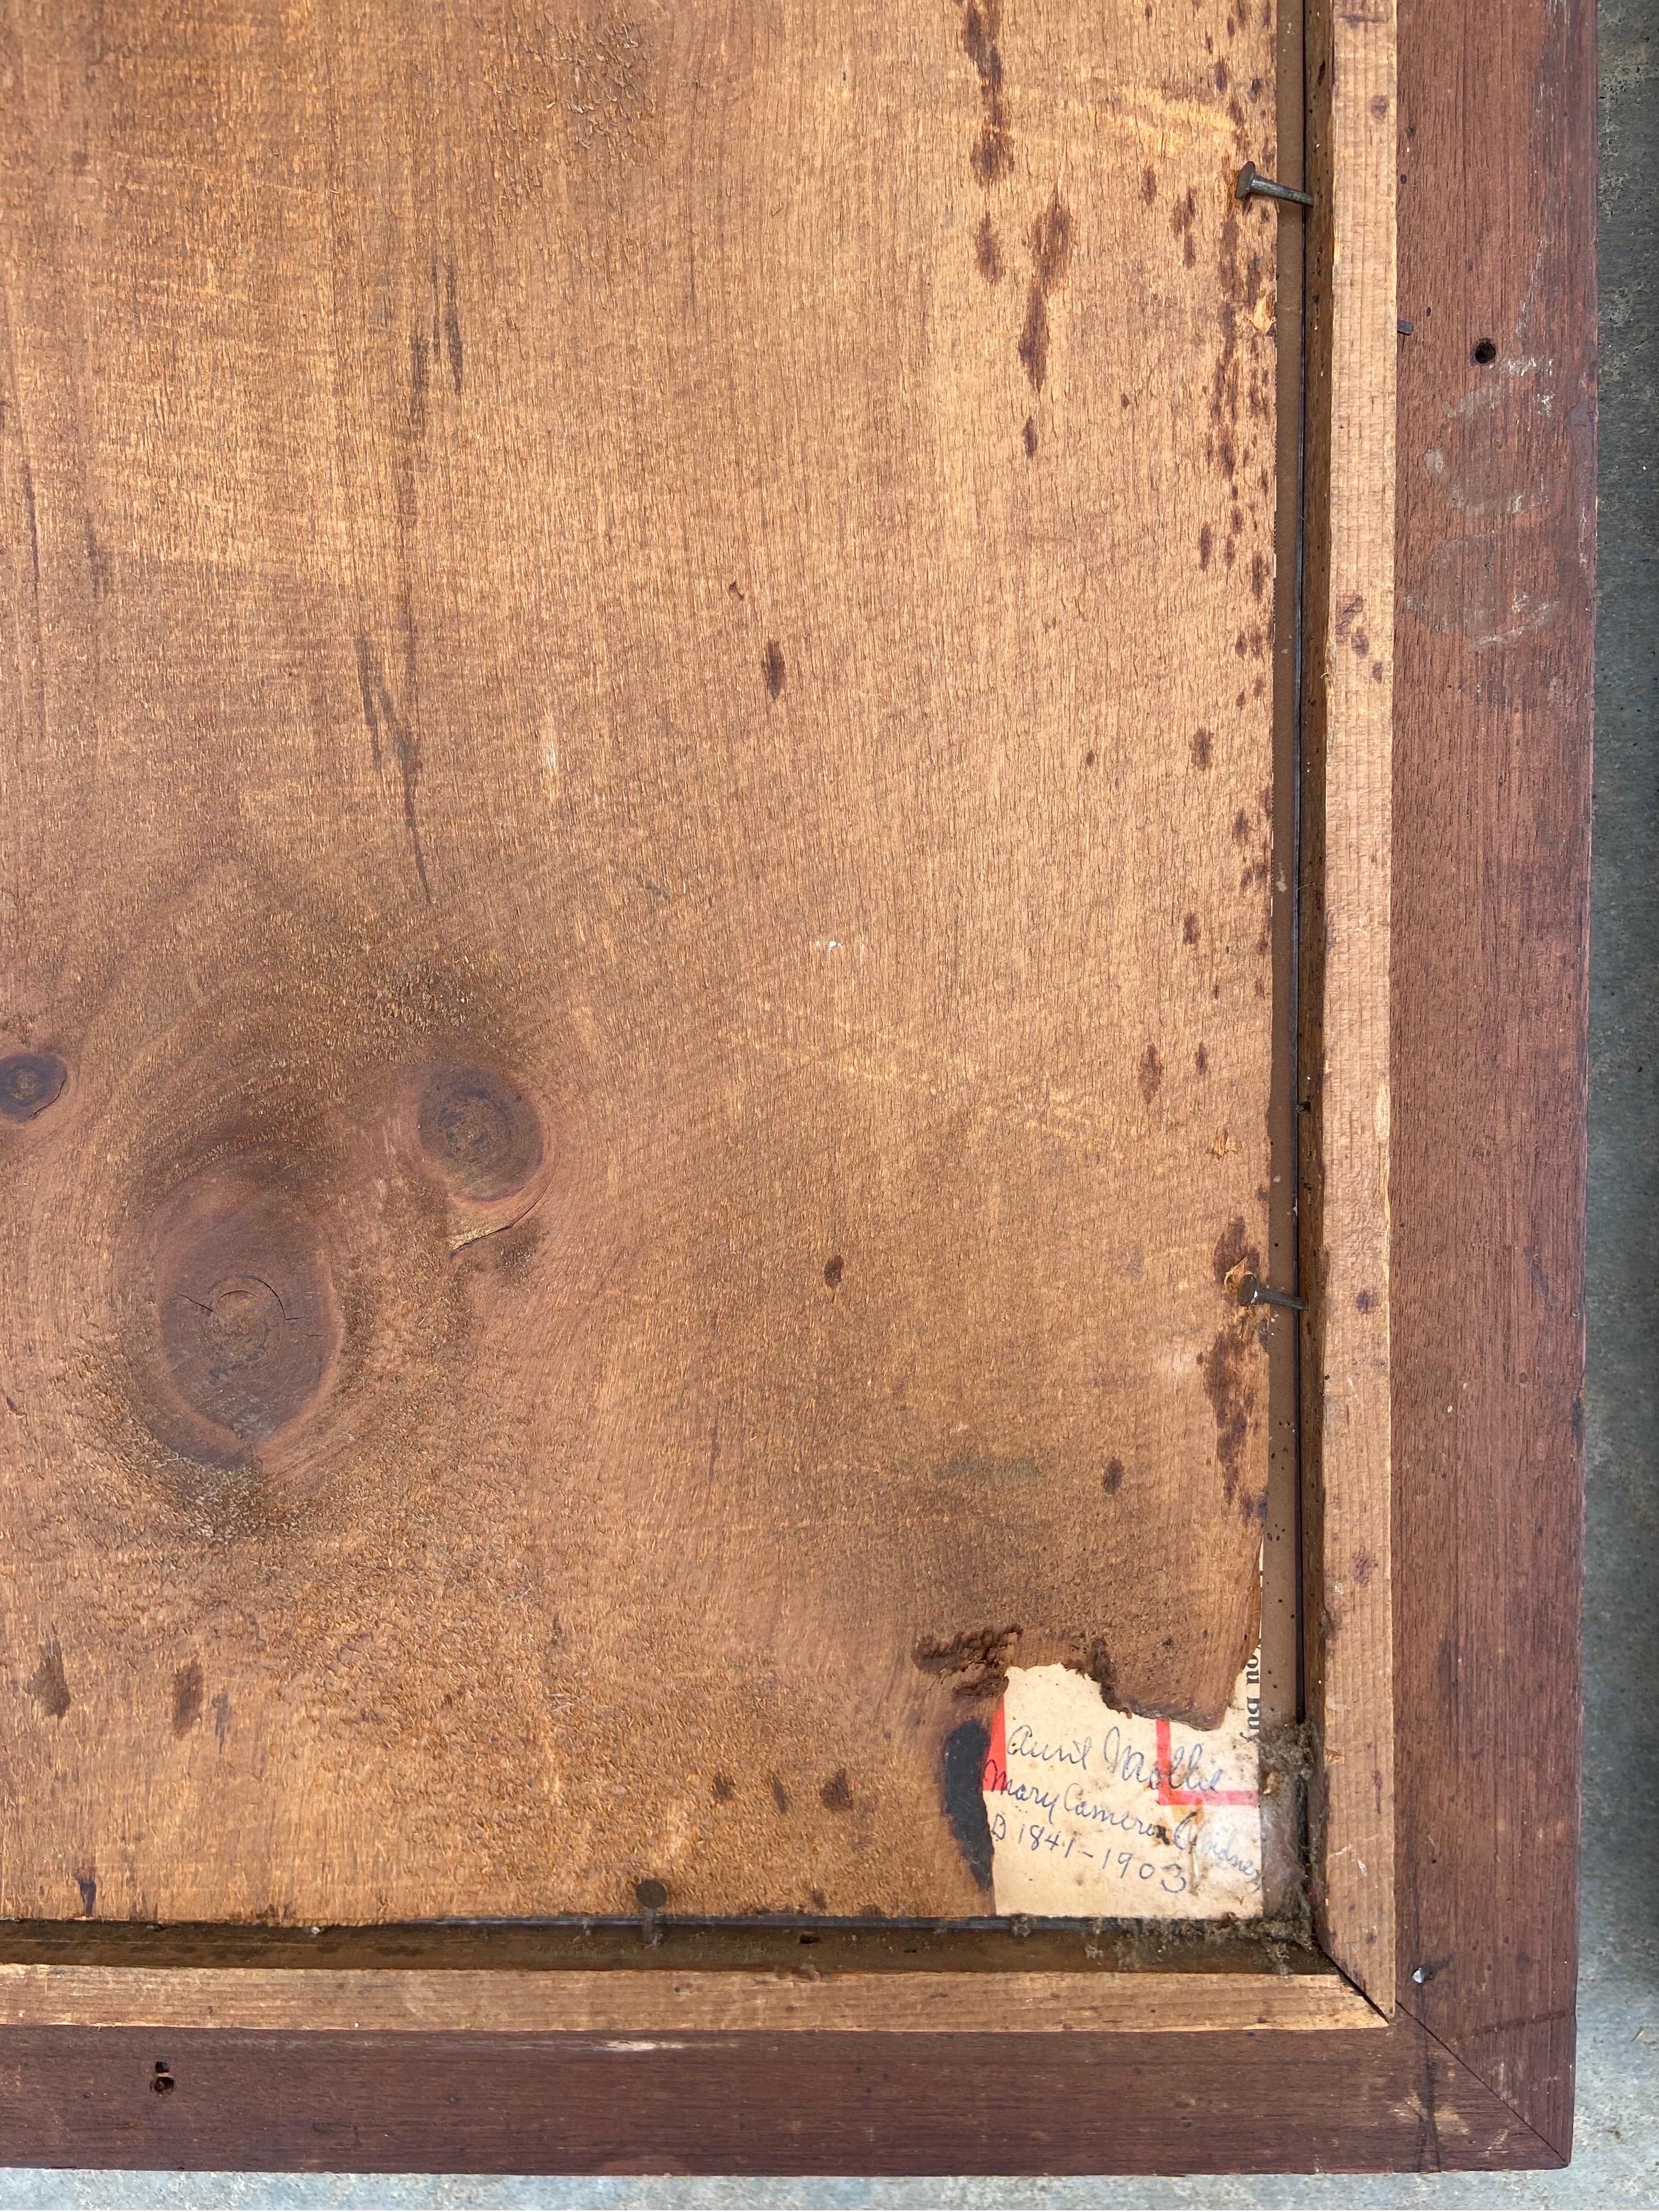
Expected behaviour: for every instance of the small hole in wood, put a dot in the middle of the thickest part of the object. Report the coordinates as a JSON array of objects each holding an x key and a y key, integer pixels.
[
  {"x": 1485, "y": 353},
  {"x": 163, "y": 2081}
]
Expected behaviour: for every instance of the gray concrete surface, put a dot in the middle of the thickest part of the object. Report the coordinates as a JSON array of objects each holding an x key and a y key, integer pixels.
[{"x": 1617, "y": 2158}]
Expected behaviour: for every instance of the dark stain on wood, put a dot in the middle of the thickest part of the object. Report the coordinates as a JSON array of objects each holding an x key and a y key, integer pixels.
[
  {"x": 1182, "y": 217},
  {"x": 992, "y": 154},
  {"x": 962, "y": 1789},
  {"x": 773, "y": 668},
  {"x": 48, "y": 1685},
  {"x": 1231, "y": 1399},
  {"x": 188, "y": 1693},
  {"x": 987, "y": 253},
  {"x": 1051, "y": 257}
]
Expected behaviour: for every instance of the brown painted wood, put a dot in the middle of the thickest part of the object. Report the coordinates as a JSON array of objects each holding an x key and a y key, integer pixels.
[
  {"x": 1491, "y": 797},
  {"x": 651, "y": 642},
  {"x": 754, "y": 2103}
]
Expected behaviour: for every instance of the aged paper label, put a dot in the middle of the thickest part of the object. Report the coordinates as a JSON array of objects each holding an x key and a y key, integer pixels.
[{"x": 1095, "y": 1813}]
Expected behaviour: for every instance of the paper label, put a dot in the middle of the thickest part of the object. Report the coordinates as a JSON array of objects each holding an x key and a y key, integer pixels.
[{"x": 1095, "y": 1813}]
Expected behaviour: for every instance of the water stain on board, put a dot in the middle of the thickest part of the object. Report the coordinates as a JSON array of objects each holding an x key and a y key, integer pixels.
[
  {"x": 987, "y": 252},
  {"x": 992, "y": 154},
  {"x": 48, "y": 1685},
  {"x": 1232, "y": 1400},
  {"x": 1051, "y": 257},
  {"x": 1183, "y": 217},
  {"x": 188, "y": 1693}
]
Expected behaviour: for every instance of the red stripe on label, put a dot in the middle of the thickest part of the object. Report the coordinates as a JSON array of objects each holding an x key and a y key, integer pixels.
[
  {"x": 994, "y": 1775},
  {"x": 1168, "y": 1796}
]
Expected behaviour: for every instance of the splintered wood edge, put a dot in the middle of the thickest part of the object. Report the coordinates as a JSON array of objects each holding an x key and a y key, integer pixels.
[
  {"x": 628, "y": 2003},
  {"x": 1351, "y": 406}
]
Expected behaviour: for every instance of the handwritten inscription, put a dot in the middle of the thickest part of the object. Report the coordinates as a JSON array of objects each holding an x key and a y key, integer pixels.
[{"x": 1098, "y": 1813}]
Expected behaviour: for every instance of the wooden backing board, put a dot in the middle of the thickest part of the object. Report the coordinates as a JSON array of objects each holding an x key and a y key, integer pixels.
[{"x": 640, "y": 788}]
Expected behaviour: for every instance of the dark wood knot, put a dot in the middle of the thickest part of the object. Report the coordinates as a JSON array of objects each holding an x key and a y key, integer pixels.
[
  {"x": 29, "y": 1083},
  {"x": 480, "y": 1131},
  {"x": 247, "y": 1328}
]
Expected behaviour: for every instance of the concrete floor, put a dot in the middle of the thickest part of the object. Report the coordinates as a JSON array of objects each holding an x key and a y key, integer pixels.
[{"x": 1617, "y": 2160}]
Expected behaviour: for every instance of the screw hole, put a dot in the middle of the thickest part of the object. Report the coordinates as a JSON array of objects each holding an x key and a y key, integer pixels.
[
  {"x": 1485, "y": 353},
  {"x": 163, "y": 2081}
]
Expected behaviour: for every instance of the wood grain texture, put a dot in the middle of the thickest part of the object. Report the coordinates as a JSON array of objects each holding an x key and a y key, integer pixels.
[
  {"x": 754, "y": 2103},
  {"x": 638, "y": 863},
  {"x": 1346, "y": 863},
  {"x": 1492, "y": 792},
  {"x": 376, "y": 2000}
]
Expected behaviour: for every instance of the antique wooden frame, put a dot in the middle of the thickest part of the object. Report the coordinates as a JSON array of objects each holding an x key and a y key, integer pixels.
[{"x": 1436, "y": 2029}]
